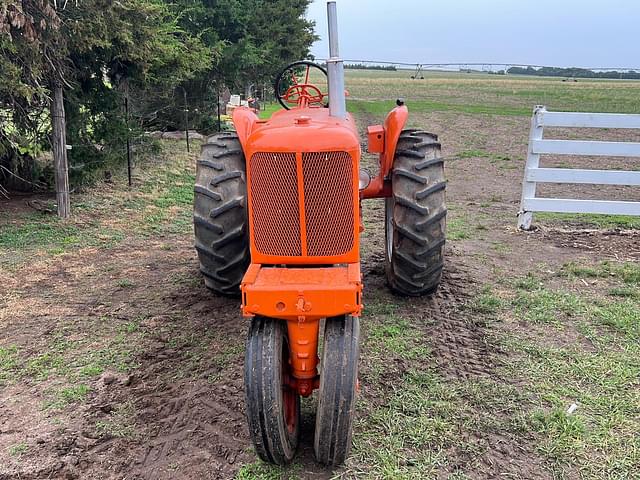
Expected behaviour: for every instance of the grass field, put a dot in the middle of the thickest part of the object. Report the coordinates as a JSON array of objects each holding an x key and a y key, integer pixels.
[
  {"x": 116, "y": 362},
  {"x": 493, "y": 94}
]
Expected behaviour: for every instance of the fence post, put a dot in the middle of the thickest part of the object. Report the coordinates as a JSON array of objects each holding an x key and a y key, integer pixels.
[
  {"x": 186, "y": 118},
  {"x": 533, "y": 161},
  {"x": 219, "y": 127},
  {"x": 59, "y": 146},
  {"x": 126, "y": 111}
]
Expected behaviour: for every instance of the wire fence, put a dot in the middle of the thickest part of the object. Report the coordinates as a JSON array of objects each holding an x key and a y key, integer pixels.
[{"x": 141, "y": 112}]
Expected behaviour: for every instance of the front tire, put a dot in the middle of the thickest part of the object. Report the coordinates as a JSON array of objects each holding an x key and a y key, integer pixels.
[
  {"x": 220, "y": 214},
  {"x": 338, "y": 389},
  {"x": 272, "y": 407},
  {"x": 415, "y": 216}
]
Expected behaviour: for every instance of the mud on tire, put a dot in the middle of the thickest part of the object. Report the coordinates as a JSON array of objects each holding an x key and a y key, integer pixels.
[
  {"x": 338, "y": 390},
  {"x": 220, "y": 214},
  {"x": 272, "y": 408},
  {"x": 415, "y": 216}
]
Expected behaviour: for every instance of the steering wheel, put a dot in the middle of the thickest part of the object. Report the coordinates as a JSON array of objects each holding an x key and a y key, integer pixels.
[{"x": 292, "y": 87}]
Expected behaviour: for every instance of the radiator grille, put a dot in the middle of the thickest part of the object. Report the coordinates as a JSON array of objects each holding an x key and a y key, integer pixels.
[
  {"x": 328, "y": 203},
  {"x": 328, "y": 193},
  {"x": 274, "y": 194}
]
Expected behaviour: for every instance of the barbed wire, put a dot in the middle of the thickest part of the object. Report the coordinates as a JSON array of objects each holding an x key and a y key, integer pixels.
[{"x": 13, "y": 174}]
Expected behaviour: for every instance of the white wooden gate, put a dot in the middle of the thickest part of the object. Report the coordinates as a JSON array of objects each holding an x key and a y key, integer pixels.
[{"x": 533, "y": 174}]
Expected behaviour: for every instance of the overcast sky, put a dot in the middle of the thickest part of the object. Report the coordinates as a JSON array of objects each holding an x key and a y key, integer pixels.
[{"x": 583, "y": 33}]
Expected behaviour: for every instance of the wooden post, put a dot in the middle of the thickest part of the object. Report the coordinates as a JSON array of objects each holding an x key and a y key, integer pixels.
[{"x": 59, "y": 145}]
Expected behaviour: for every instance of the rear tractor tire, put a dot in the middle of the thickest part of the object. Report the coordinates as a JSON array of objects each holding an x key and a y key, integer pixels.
[
  {"x": 220, "y": 214},
  {"x": 272, "y": 407},
  {"x": 415, "y": 216}
]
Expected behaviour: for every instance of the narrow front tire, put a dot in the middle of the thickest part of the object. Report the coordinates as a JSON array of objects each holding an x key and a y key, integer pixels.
[
  {"x": 338, "y": 390},
  {"x": 272, "y": 407}
]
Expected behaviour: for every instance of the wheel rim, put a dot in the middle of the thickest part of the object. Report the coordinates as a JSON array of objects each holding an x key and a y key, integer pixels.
[
  {"x": 289, "y": 395},
  {"x": 388, "y": 227}
]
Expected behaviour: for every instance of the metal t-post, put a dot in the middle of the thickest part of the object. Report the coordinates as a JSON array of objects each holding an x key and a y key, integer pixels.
[
  {"x": 186, "y": 118},
  {"x": 126, "y": 112}
]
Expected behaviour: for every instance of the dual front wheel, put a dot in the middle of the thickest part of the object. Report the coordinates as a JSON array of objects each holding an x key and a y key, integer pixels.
[{"x": 273, "y": 407}]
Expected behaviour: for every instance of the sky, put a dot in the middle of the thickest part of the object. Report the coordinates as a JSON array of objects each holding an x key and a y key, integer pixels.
[{"x": 579, "y": 33}]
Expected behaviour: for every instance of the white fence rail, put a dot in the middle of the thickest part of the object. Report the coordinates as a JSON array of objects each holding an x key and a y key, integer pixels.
[{"x": 534, "y": 174}]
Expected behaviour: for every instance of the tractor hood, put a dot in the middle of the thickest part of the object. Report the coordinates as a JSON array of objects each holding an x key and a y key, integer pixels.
[{"x": 296, "y": 130}]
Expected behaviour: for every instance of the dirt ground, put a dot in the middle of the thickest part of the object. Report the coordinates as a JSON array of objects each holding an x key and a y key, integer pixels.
[{"x": 168, "y": 403}]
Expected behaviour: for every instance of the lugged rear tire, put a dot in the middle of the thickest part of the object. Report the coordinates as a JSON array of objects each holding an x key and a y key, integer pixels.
[
  {"x": 415, "y": 216},
  {"x": 338, "y": 390},
  {"x": 220, "y": 214}
]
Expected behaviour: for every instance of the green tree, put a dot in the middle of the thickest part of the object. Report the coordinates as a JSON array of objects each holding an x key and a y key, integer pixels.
[
  {"x": 153, "y": 51},
  {"x": 255, "y": 39},
  {"x": 98, "y": 50}
]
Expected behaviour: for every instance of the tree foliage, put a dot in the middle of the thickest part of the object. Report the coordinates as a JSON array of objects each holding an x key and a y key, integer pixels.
[
  {"x": 155, "y": 52},
  {"x": 573, "y": 73}
]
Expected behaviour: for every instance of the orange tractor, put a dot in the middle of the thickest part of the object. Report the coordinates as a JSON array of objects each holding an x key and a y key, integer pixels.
[{"x": 277, "y": 221}]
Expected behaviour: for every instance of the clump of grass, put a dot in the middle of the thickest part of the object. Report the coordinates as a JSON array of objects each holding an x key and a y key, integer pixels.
[
  {"x": 625, "y": 292},
  {"x": 125, "y": 283},
  {"x": 67, "y": 396},
  {"x": 42, "y": 366},
  {"x": 560, "y": 432},
  {"x": 547, "y": 307},
  {"x": 592, "y": 220},
  {"x": 623, "y": 316},
  {"x": 18, "y": 449},
  {"x": 262, "y": 471},
  {"x": 486, "y": 303},
  {"x": 8, "y": 363},
  {"x": 528, "y": 283},
  {"x": 458, "y": 228},
  {"x": 574, "y": 270},
  {"x": 492, "y": 156},
  {"x": 120, "y": 423}
]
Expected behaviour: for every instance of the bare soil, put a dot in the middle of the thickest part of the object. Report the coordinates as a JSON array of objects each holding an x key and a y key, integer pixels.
[{"x": 185, "y": 415}]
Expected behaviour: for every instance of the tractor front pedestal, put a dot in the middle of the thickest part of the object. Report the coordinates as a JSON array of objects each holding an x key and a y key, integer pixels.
[
  {"x": 281, "y": 362},
  {"x": 302, "y": 297}
]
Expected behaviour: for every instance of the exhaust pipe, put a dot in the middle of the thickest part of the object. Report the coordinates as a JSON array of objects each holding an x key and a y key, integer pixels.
[{"x": 335, "y": 67}]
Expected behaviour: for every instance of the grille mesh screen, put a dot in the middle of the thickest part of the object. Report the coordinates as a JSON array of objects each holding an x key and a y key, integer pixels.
[
  {"x": 328, "y": 191},
  {"x": 328, "y": 203},
  {"x": 274, "y": 193}
]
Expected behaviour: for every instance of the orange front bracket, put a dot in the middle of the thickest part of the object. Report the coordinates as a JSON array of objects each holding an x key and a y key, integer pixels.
[
  {"x": 302, "y": 296},
  {"x": 303, "y": 346},
  {"x": 310, "y": 293}
]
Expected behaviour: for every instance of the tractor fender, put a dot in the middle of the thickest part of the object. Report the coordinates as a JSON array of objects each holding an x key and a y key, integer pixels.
[
  {"x": 380, "y": 187},
  {"x": 393, "y": 126},
  {"x": 244, "y": 120}
]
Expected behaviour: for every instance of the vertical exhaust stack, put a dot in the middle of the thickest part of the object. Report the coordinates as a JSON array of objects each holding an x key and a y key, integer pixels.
[{"x": 335, "y": 67}]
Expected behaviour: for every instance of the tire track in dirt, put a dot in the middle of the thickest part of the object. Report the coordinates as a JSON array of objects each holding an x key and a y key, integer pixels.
[
  {"x": 460, "y": 342},
  {"x": 204, "y": 422}
]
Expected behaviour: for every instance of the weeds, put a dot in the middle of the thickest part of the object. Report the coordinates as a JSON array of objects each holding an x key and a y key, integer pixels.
[{"x": 18, "y": 449}]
